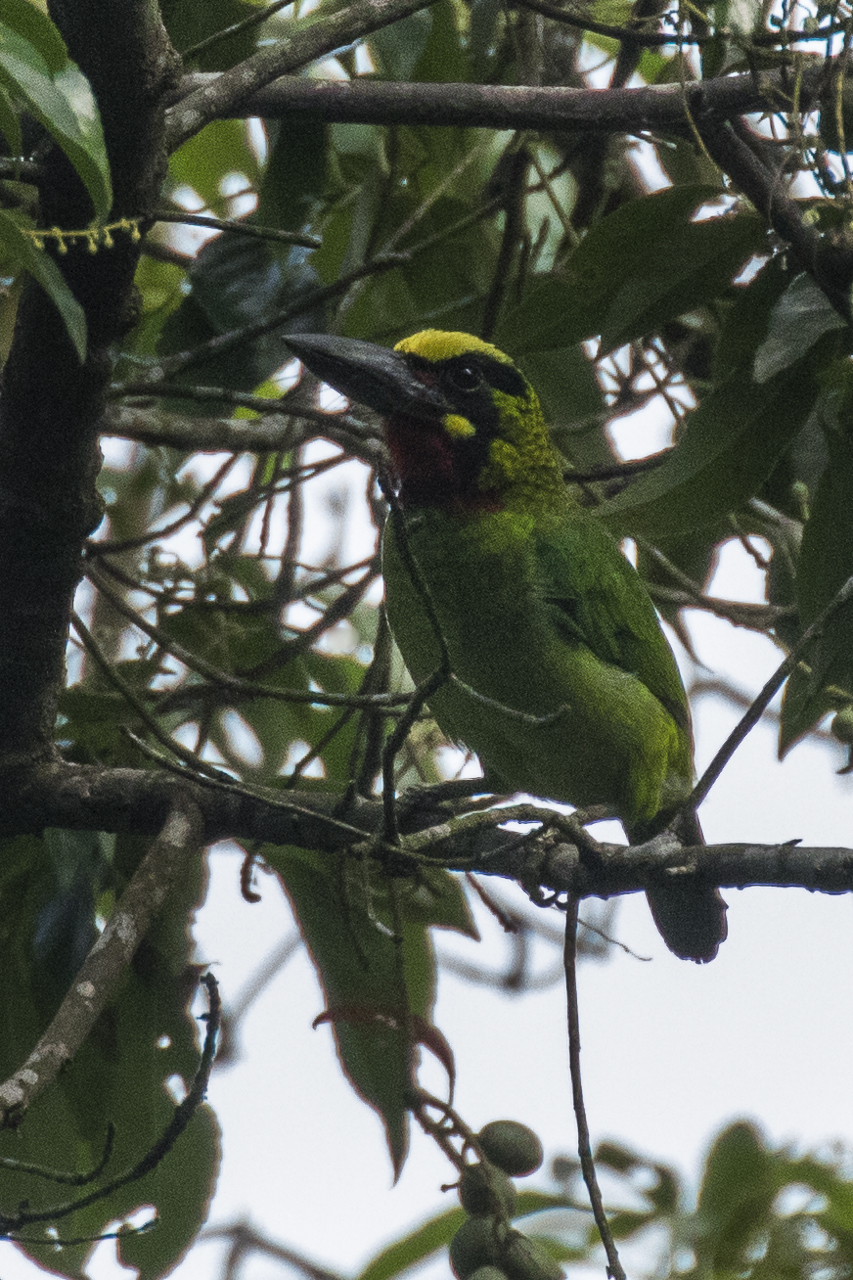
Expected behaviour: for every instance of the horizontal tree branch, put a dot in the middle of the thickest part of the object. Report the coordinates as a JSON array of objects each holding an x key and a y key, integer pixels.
[
  {"x": 140, "y": 800},
  {"x": 662, "y": 108},
  {"x": 280, "y": 428},
  {"x": 561, "y": 868}
]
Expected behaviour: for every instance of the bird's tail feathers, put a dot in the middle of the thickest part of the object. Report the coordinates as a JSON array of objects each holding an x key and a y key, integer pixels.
[{"x": 690, "y": 916}]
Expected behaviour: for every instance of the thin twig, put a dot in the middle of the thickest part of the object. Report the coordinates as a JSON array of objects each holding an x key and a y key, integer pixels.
[
  {"x": 112, "y": 674},
  {"x": 235, "y": 685},
  {"x": 765, "y": 697},
  {"x": 246, "y": 1240},
  {"x": 253, "y": 20},
  {"x": 238, "y": 226},
  {"x": 614, "y": 1266}
]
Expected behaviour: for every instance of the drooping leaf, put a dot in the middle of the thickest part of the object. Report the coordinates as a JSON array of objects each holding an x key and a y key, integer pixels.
[
  {"x": 801, "y": 316},
  {"x": 239, "y": 281},
  {"x": 35, "y": 67},
  {"x": 735, "y": 1199},
  {"x": 729, "y": 446},
  {"x": 825, "y": 564},
  {"x": 373, "y": 983},
  {"x": 294, "y": 176},
  {"x": 21, "y": 249},
  {"x": 143, "y": 1039}
]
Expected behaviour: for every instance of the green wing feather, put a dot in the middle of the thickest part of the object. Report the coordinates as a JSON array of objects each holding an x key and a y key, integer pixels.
[{"x": 598, "y": 598}]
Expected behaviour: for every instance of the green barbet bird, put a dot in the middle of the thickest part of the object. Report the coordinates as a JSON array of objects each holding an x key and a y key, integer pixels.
[{"x": 539, "y": 610}]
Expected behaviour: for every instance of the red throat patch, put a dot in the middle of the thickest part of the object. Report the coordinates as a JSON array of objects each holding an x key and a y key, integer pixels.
[{"x": 430, "y": 467}]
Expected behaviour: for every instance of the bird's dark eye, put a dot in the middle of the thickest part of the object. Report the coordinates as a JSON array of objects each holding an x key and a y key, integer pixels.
[{"x": 464, "y": 377}]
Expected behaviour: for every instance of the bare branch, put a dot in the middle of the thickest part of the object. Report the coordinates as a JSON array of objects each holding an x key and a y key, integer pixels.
[
  {"x": 237, "y": 226},
  {"x": 82, "y": 797},
  {"x": 660, "y": 108}
]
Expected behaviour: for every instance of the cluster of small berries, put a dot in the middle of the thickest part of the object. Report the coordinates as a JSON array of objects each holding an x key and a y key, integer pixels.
[{"x": 486, "y": 1247}]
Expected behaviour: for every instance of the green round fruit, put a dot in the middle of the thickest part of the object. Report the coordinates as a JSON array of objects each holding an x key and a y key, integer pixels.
[
  {"x": 526, "y": 1259},
  {"x": 484, "y": 1189},
  {"x": 511, "y": 1146},
  {"x": 488, "y": 1273},
  {"x": 842, "y": 725},
  {"x": 473, "y": 1246}
]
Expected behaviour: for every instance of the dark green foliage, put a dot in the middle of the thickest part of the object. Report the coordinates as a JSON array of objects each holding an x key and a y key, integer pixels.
[
  {"x": 209, "y": 649},
  {"x": 51, "y": 892}
]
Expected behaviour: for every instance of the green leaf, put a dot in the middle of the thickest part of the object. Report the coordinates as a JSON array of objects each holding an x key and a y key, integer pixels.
[
  {"x": 397, "y": 48},
  {"x": 416, "y": 1247},
  {"x": 639, "y": 267},
  {"x": 21, "y": 249},
  {"x": 204, "y": 160},
  {"x": 744, "y": 318},
  {"x": 33, "y": 24},
  {"x": 119, "y": 1075},
  {"x": 485, "y": 15},
  {"x": 735, "y": 1199},
  {"x": 445, "y": 57},
  {"x": 373, "y": 984},
  {"x": 56, "y": 93},
  {"x": 10, "y": 125},
  {"x": 801, "y": 316},
  {"x": 729, "y": 447},
  {"x": 181, "y": 1187},
  {"x": 825, "y": 564},
  {"x": 294, "y": 175},
  {"x": 237, "y": 280},
  {"x": 188, "y": 22}
]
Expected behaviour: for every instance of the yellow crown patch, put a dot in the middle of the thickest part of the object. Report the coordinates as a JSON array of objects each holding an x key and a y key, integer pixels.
[{"x": 436, "y": 344}]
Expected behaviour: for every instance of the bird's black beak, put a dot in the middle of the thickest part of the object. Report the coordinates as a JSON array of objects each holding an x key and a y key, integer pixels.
[{"x": 373, "y": 376}]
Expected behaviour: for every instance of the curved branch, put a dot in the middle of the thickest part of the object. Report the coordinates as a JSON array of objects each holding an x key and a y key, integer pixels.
[{"x": 228, "y": 93}]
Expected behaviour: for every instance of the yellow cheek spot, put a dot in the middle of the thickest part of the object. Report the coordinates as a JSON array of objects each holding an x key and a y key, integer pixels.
[{"x": 457, "y": 426}]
